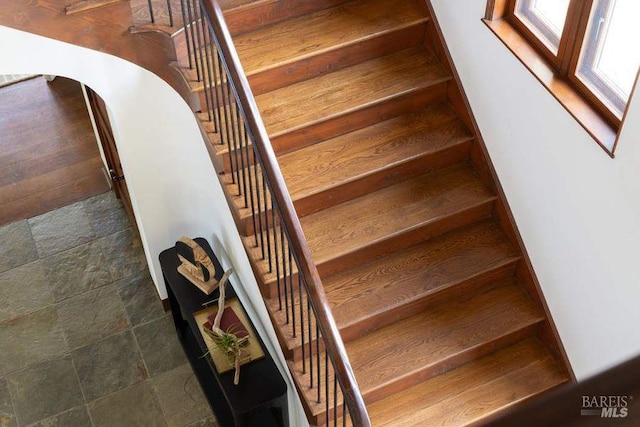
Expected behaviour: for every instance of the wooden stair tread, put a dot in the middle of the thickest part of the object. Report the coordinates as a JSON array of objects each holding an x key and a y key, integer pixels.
[
  {"x": 478, "y": 389},
  {"x": 324, "y": 30},
  {"x": 389, "y": 219},
  {"x": 362, "y": 152},
  {"x": 409, "y": 274},
  {"x": 84, "y": 5},
  {"x": 451, "y": 334},
  {"x": 331, "y": 95},
  {"x": 226, "y": 5},
  {"x": 385, "y": 286},
  {"x": 358, "y": 223},
  {"x": 407, "y": 346}
]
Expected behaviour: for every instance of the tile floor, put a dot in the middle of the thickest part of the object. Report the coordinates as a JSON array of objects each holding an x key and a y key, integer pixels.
[{"x": 84, "y": 340}]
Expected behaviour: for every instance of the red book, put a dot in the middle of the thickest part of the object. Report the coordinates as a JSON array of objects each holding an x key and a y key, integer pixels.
[{"x": 229, "y": 323}]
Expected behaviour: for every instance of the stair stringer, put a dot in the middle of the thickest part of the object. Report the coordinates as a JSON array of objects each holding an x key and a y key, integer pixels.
[{"x": 502, "y": 213}]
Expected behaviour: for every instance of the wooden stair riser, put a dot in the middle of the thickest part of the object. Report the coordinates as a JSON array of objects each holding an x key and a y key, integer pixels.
[
  {"x": 268, "y": 284},
  {"x": 365, "y": 152},
  {"x": 406, "y": 238},
  {"x": 80, "y": 6},
  {"x": 316, "y": 417},
  {"x": 382, "y": 178},
  {"x": 408, "y": 308},
  {"x": 324, "y": 60},
  {"x": 251, "y": 17},
  {"x": 336, "y": 126},
  {"x": 336, "y": 59},
  {"x": 348, "y": 121},
  {"x": 273, "y": 78},
  {"x": 451, "y": 362},
  {"x": 317, "y": 411},
  {"x": 491, "y": 382},
  {"x": 473, "y": 256},
  {"x": 340, "y": 193}
]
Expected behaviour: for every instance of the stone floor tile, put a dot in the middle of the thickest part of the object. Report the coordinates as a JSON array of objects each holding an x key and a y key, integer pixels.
[
  {"x": 18, "y": 246},
  {"x": 32, "y": 390},
  {"x": 136, "y": 406},
  {"x": 61, "y": 229},
  {"x": 30, "y": 339},
  {"x": 7, "y": 414},
  {"x": 181, "y": 397},
  {"x": 140, "y": 298},
  {"x": 76, "y": 417},
  {"x": 106, "y": 214},
  {"x": 207, "y": 422},
  {"x": 92, "y": 316},
  {"x": 76, "y": 270},
  {"x": 159, "y": 344},
  {"x": 109, "y": 365},
  {"x": 124, "y": 254},
  {"x": 22, "y": 290}
]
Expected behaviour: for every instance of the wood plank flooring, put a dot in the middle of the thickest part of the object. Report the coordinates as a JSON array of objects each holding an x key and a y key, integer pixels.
[{"x": 49, "y": 155}]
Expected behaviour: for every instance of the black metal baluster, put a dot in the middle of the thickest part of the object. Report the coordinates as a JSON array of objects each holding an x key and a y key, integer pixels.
[
  {"x": 193, "y": 36},
  {"x": 326, "y": 383},
  {"x": 235, "y": 178},
  {"x": 230, "y": 104},
  {"x": 335, "y": 398},
  {"x": 243, "y": 160},
  {"x": 213, "y": 76},
  {"x": 186, "y": 33},
  {"x": 153, "y": 20},
  {"x": 304, "y": 361},
  {"x": 293, "y": 301},
  {"x": 197, "y": 22},
  {"x": 218, "y": 79},
  {"x": 170, "y": 13},
  {"x": 258, "y": 177},
  {"x": 279, "y": 277},
  {"x": 345, "y": 412},
  {"x": 251, "y": 182},
  {"x": 275, "y": 245},
  {"x": 207, "y": 73},
  {"x": 250, "y": 170},
  {"x": 284, "y": 282},
  {"x": 310, "y": 343},
  {"x": 268, "y": 233},
  {"x": 203, "y": 47},
  {"x": 318, "y": 361}
]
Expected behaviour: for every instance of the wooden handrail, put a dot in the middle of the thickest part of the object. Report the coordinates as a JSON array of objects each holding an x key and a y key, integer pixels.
[{"x": 300, "y": 250}]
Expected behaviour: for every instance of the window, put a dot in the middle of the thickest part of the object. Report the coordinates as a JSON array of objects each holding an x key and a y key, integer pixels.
[{"x": 590, "y": 45}]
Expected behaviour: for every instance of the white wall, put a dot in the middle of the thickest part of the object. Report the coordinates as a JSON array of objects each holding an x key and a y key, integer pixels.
[
  {"x": 174, "y": 188},
  {"x": 577, "y": 209}
]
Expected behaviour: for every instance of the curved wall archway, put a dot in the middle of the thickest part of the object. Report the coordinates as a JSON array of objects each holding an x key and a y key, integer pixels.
[
  {"x": 168, "y": 170},
  {"x": 173, "y": 185}
]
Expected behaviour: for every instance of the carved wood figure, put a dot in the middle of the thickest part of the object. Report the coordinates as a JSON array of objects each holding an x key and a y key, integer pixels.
[{"x": 196, "y": 266}]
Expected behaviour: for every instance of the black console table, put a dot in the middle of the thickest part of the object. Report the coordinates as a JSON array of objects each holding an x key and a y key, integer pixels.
[{"x": 260, "y": 399}]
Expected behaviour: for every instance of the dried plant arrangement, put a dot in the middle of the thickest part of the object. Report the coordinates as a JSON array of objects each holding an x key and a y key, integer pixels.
[{"x": 227, "y": 331}]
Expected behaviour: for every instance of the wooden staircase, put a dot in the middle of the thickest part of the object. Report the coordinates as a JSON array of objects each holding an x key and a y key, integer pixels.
[
  {"x": 426, "y": 277},
  {"x": 441, "y": 319}
]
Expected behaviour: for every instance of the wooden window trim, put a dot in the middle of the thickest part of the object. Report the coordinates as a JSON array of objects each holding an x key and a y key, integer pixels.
[{"x": 572, "y": 93}]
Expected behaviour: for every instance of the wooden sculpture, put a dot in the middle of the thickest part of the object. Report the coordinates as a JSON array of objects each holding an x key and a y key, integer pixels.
[
  {"x": 196, "y": 266},
  {"x": 227, "y": 331}
]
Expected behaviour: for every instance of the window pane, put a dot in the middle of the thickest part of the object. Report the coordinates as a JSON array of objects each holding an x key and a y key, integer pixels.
[
  {"x": 553, "y": 12},
  {"x": 545, "y": 18},
  {"x": 610, "y": 58}
]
